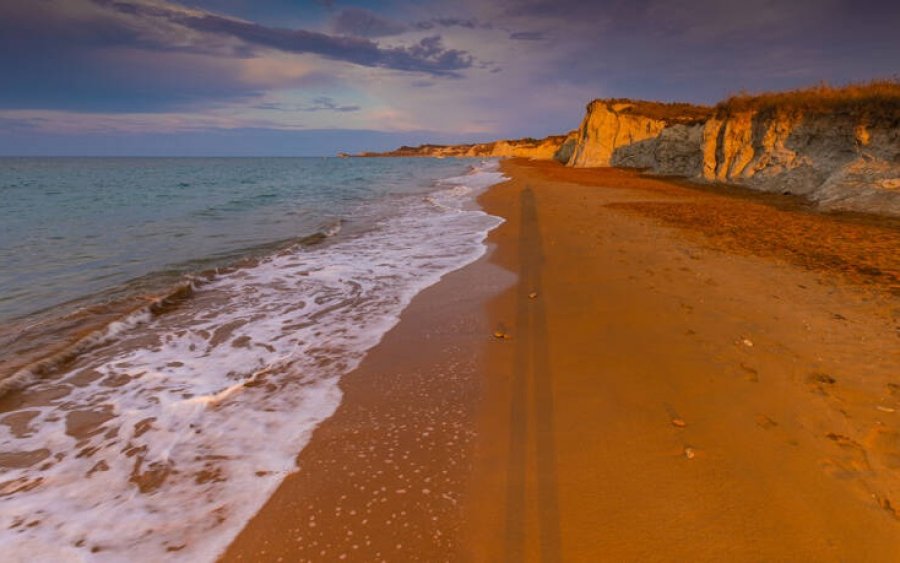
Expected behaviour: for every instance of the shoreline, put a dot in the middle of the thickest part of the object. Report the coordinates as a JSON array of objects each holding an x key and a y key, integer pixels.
[
  {"x": 186, "y": 422},
  {"x": 384, "y": 476},
  {"x": 659, "y": 392}
]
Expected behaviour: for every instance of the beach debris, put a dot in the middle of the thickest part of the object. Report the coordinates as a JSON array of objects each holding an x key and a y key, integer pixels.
[
  {"x": 689, "y": 452},
  {"x": 500, "y": 335},
  {"x": 679, "y": 423},
  {"x": 884, "y": 409},
  {"x": 532, "y": 295},
  {"x": 747, "y": 342}
]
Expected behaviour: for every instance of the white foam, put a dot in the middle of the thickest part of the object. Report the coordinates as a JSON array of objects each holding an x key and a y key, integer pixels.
[{"x": 177, "y": 390}]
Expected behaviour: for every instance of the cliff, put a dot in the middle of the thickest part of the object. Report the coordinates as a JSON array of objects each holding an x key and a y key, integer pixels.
[
  {"x": 625, "y": 132},
  {"x": 838, "y": 147},
  {"x": 540, "y": 149}
]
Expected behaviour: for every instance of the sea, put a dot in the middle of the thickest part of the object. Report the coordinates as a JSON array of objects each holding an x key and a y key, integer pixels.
[{"x": 172, "y": 330}]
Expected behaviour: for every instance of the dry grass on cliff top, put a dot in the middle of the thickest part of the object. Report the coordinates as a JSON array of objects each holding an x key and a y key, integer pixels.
[
  {"x": 670, "y": 112},
  {"x": 878, "y": 99}
]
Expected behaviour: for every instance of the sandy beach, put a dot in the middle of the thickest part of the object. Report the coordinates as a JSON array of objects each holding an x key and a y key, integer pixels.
[{"x": 639, "y": 369}]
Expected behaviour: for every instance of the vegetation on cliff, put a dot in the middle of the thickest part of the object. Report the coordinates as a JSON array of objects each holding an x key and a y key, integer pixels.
[
  {"x": 671, "y": 113},
  {"x": 878, "y": 100}
]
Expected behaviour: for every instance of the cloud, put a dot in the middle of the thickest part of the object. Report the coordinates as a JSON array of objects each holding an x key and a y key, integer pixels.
[
  {"x": 176, "y": 64},
  {"x": 527, "y": 35},
  {"x": 360, "y": 22},
  {"x": 428, "y": 56},
  {"x": 155, "y": 55},
  {"x": 467, "y": 23},
  {"x": 18, "y": 124},
  {"x": 322, "y": 103}
]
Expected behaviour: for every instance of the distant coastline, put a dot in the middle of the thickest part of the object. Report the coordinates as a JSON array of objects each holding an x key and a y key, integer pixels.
[
  {"x": 837, "y": 147},
  {"x": 528, "y": 147}
]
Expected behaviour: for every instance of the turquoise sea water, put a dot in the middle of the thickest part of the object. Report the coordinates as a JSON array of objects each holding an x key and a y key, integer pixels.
[
  {"x": 73, "y": 228},
  {"x": 167, "y": 320}
]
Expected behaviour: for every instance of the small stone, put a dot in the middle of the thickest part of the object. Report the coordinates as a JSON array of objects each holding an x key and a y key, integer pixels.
[
  {"x": 747, "y": 342},
  {"x": 689, "y": 452},
  {"x": 680, "y": 423},
  {"x": 884, "y": 409},
  {"x": 500, "y": 335},
  {"x": 532, "y": 295}
]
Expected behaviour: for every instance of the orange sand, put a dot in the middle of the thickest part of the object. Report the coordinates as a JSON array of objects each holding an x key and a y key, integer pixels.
[{"x": 677, "y": 375}]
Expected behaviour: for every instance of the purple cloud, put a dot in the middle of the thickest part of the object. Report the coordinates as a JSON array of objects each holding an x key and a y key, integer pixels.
[
  {"x": 428, "y": 56},
  {"x": 527, "y": 36},
  {"x": 322, "y": 103},
  {"x": 365, "y": 23}
]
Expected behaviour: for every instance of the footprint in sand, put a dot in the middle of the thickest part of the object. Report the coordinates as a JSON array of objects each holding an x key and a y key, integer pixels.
[
  {"x": 820, "y": 382},
  {"x": 853, "y": 462}
]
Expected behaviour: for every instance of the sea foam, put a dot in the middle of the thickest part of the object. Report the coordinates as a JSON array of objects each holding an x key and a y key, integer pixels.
[{"x": 163, "y": 443}]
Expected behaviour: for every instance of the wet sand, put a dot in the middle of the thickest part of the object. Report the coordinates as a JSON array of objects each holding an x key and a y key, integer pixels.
[
  {"x": 677, "y": 374},
  {"x": 384, "y": 479}
]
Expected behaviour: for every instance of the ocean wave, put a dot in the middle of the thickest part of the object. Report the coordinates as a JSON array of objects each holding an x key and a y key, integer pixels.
[
  {"x": 106, "y": 321},
  {"x": 163, "y": 435}
]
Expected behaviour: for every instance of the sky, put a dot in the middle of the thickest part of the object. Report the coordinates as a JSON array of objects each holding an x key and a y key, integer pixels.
[{"x": 313, "y": 77}]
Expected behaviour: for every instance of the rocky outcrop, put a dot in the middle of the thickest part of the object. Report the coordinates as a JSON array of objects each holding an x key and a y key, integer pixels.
[
  {"x": 567, "y": 148},
  {"x": 628, "y": 133},
  {"x": 538, "y": 149},
  {"x": 841, "y": 159}
]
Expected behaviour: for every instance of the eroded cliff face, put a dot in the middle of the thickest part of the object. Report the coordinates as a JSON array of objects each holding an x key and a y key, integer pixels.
[
  {"x": 840, "y": 161},
  {"x": 628, "y": 133},
  {"x": 848, "y": 161}
]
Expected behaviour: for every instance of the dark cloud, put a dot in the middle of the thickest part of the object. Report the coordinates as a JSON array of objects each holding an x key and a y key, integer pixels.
[
  {"x": 527, "y": 35},
  {"x": 360, "y": 22},
  {"x": 365, "y": 23},
  {"x": 428, "y": 56},
  {"x": 467, "y": 23},
  {"x": 141, "y": 55},
  {"x": 322, "y": 103}
]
